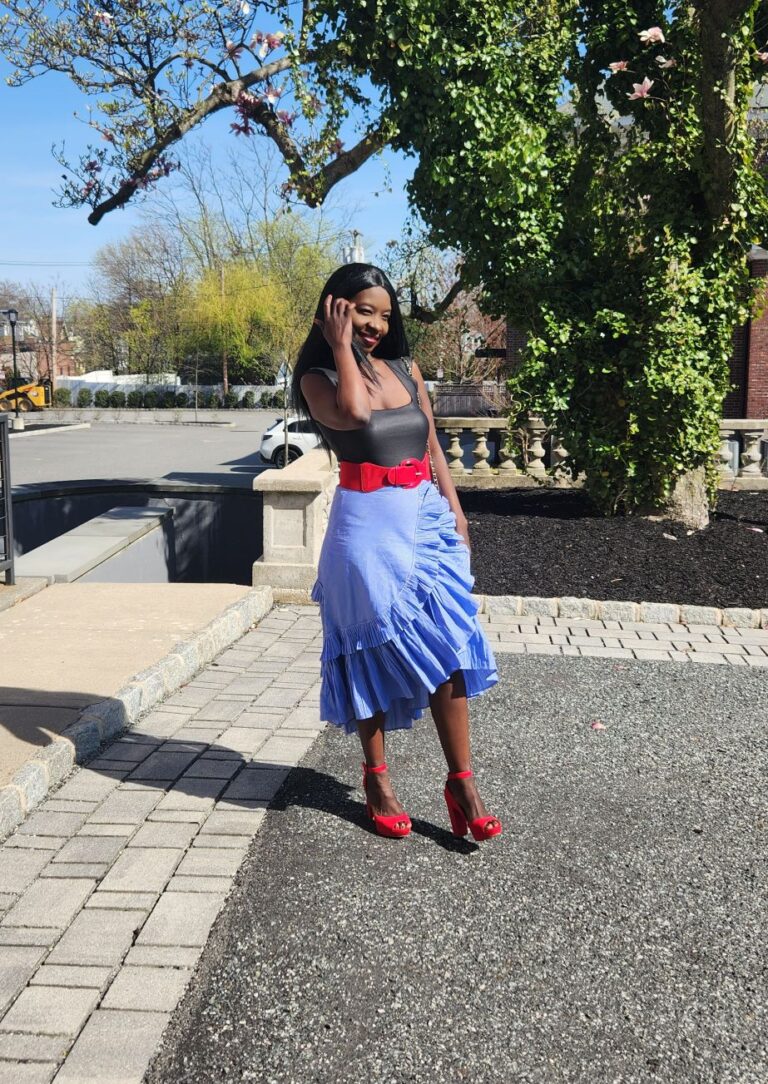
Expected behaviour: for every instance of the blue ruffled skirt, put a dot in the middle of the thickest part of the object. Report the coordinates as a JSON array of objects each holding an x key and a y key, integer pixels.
[{"x": 394, "y": 589}]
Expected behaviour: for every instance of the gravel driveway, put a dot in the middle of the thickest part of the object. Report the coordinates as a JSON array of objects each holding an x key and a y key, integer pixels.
[{"x": 614, "y": 933}]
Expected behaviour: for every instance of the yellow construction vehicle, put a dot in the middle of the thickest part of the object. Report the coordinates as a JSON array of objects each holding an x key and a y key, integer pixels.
[{"x": 29, "y": 396}]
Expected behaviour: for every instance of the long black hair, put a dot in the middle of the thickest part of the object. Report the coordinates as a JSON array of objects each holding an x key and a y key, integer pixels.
[{"x": 347, "y": 281}]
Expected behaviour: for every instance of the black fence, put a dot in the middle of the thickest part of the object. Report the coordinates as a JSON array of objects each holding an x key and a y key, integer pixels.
[
  {"x": 6, "y": 510},
  {"x": 486, "y": 400}
]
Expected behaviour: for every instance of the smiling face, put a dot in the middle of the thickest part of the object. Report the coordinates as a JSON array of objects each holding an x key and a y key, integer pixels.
[{"x": 371, "y": 312}]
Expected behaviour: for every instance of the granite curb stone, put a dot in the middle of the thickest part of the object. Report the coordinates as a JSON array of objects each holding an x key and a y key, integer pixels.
[
  {"x": 103, "y": 720},
  {"x": 642, "y": 612}
]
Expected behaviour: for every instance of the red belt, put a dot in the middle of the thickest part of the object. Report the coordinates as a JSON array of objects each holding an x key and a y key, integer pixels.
[{"x": 368, "y": 476}]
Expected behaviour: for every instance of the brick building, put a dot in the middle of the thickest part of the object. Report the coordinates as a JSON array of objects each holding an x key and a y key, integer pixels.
[
  {"x": 35, "y": 351},
  {"x": 749, "y": 361}
]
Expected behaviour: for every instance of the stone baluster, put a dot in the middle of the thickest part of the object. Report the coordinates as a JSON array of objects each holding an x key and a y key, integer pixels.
[
  {"x": 560, "y": 472},
  {"x": 507, "y": 464},
  {"x": 536, "y": 430},
  {"x": 725, "y": 455},
  {"x": 751, "y": 454},
  {"x": 480, "y": 450},
  {"x": 455, "y": 453}
]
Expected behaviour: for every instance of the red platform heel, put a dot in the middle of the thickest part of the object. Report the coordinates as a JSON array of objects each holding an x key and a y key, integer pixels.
[
  {"x": 389, "y": 826},
  {"x": 481, "y": 827}
]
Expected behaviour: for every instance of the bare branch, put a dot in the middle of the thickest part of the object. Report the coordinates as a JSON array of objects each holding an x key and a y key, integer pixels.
[{"x": 431, "y": 316}]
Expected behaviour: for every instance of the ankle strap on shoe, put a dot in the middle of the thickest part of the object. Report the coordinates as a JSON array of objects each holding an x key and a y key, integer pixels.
[
  {"x": 374, "y": 770},
  {"x": 460, "y": 775}
]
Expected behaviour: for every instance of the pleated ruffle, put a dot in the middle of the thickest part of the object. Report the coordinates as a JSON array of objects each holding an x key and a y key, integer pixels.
[{"x": 391, "y": 663}]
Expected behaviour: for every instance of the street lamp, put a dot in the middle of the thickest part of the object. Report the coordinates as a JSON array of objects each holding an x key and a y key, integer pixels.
[{"x": 12, "y": 316}]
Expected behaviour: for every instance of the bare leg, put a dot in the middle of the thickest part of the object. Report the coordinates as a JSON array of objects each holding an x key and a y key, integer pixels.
[
  {"x": 449, "y": 710},
  {"x": 378, "y": 788}
]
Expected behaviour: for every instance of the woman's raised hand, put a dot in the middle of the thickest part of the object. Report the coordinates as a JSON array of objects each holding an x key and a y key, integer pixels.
[{"x": 337, "y": 325}]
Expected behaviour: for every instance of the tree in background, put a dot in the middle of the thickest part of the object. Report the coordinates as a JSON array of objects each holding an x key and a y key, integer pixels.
[
  {"x": 229, "y": 324},
  {"x": 233, "y": 217},
  {"x": 444, "y": 321},
  {"x": 220, "y": 283},
  {"x": 33, "y": 303},
  {"x": 130, "y": 321}
]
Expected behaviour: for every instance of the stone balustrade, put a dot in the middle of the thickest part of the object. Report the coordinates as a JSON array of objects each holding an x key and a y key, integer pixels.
[
  {"x": 297, "y": 498},
  {"x": 742, "y": 460}
]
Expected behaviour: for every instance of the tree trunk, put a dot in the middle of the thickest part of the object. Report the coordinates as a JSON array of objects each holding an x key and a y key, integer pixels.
[{"x": 688, "y": 503}]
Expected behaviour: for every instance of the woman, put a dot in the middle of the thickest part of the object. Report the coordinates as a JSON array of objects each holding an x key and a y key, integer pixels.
[{"x": 399, "y": 624}]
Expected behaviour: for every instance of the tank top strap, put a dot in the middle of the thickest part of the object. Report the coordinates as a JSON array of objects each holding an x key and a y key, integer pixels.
[
  {"x": 332, "y": 375},
  {"x": 403, "y": 365}
]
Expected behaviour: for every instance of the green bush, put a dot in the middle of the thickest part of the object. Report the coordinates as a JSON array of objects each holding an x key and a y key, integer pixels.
[
  {"x": 271, "y": 399},
  {"x": 182, "y": 399},
  {"x": 117, "y": 399},
  {"x": 101, "y": 398},
  {"x": 164, "y": 399},
  {"x": 150, "y": 399},
  {"x": 85, "y": 398},
  {"x": 248, "y": 402},
  {"x": 135, "y": 399},
  {"x": 231, "y": 400},
  {"x": 214, "y": 401},
  {"x": 62, "y": 397}
]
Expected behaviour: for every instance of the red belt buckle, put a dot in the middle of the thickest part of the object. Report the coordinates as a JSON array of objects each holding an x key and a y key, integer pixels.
[{"x": 405, "y": 474}]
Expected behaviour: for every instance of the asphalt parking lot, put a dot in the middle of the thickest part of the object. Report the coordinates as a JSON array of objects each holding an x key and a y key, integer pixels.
[
  {"x": 614, "y": 934},
  {"x": 203, "y": 454}
]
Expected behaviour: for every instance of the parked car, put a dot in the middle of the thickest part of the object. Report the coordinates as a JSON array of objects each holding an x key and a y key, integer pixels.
[{"x": 301, "y": 439}]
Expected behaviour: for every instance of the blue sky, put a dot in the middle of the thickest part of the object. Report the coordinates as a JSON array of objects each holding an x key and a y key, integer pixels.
[{"x": 44, "y": 244}]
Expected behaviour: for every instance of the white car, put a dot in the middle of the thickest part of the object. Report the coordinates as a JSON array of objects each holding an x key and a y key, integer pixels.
[{"x": 301, "y": 439}]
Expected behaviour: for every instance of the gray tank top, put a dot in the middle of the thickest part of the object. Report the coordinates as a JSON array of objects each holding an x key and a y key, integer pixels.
[{"x": 392, "y": 433}]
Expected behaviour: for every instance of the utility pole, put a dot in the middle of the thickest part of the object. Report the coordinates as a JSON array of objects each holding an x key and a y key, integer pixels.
[
  {"x": 54, "y": 342},
  {"x": 224, "y": 369}
]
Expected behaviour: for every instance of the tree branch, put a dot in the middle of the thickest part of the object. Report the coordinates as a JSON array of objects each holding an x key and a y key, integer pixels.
[
  {"x": 222, "y": 97},
  {"x": 316, "y": 188},
  {"x": 431, "y": 316}
]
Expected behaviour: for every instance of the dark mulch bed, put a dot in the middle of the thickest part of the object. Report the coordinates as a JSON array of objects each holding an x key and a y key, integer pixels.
[{"x": 550, "y": 542}]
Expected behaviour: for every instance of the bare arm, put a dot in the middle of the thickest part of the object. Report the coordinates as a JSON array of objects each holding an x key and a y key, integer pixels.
[
  {"x": 349, "y": 405},
  {"x": 444, "y": 479}
]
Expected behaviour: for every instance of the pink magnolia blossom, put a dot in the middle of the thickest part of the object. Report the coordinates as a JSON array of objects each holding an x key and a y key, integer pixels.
[
  {"x": 653, "y": 35},
  {"x": 273, "y": 95},
  {"x": 665, "y": 64},
  {"x": 285, "y": 117},
  {"x": 103, "y": 17},
  {"x": 619, "y": 66},
  {"x": 234, "y": 52},
  {"x": 245, "y": 8},
  {"x": 641, "y": 90},
  {"x": 763, "y": 57},
  {"x": 267, "y": 42}
]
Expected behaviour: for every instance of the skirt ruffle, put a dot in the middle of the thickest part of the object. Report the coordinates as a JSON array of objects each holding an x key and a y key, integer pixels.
[{"x": 414, "y": 589}]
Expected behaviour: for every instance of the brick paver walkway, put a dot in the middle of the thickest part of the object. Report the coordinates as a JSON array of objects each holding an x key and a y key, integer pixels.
[
  {"x": 627, "y": 640},
  {"x": 109, "y": 889}
]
